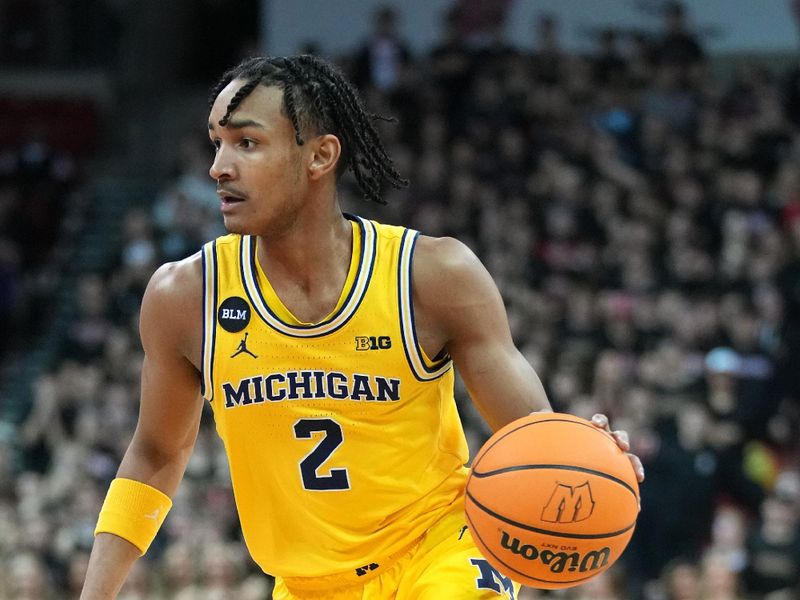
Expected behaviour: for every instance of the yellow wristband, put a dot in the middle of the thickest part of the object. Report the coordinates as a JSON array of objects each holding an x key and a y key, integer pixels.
[{"x": 133, "y": 511}]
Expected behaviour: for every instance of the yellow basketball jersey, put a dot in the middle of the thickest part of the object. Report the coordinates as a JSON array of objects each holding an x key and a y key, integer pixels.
[{"x": 343, "y": 438}]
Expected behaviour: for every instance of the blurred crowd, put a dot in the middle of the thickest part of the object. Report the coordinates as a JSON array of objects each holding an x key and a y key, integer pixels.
[
  {"x": 35, "y": 183},
  {"x": 641, "y": 216}
]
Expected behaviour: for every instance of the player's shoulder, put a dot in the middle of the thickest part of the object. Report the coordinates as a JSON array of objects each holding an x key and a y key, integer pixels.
[
  {"x": 445, "y": 271},
  {"x": 171, "y": 308},
  {"x": 444, "y": 257},
  {"x": 186, "y": 275},
  {"x": 179, "y": 278},
  {"x": 447, "y": 276},
  {"x": 174, "y": 293}
]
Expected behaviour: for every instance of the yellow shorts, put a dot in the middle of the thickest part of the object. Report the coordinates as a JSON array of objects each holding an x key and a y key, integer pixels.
[{"x": 444, "y": 564}]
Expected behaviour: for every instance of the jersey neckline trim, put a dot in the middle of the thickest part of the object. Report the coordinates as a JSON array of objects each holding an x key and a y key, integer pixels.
[
  {"x": 366, "y": 264},
  {"x": 281, "y": 311}
]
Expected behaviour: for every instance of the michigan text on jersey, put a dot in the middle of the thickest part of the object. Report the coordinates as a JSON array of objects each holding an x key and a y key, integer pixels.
[{"x": 310, "y": 385}]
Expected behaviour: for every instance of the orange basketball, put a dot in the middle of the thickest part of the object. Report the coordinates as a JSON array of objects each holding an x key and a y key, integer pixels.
[{"x": 551, "y": 500}]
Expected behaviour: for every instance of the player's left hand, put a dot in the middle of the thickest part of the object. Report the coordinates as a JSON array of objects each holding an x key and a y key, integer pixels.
[{"x": 621, "y": 437}]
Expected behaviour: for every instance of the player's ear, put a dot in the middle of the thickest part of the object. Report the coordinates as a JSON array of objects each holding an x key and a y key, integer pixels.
[{"x": 325, "y": 152}]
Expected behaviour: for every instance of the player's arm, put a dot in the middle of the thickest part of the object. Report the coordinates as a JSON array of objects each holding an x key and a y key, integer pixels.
[
  {"x": 169, "y": 417},
  {"x": 457, "y": 306}
]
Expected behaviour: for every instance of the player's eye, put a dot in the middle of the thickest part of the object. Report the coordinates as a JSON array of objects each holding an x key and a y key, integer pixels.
[
  {"x": 247, "y": 143},
  {"x": 216, "y": 144}
]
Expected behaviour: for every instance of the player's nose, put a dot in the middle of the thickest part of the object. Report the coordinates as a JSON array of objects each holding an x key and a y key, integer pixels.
[{"x": 222, "y": 167}]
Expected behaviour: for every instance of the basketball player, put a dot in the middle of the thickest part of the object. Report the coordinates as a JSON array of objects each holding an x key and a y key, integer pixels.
[{"x": 325, "y": 345}]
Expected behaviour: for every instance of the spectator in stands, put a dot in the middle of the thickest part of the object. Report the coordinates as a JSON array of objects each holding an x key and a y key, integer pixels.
[
  {"x": 774, "y": 547},
  {"x": 479, "y": 22},
  {"x": 675, "y": 519},
  {"x": 179, "y": 571},
  {"x": 609, "y": 65},
  {"x": 28, "y": 578},
  {"x": 451, "y": 63},
  {"x": 90, "y": 330},
  {"x": 10, "y": 284},
  {"x": 609, "y": 585},
  {"x": 680, "y": 581},
  {"x": 718, "y": 580},
  {"x": 382, "y": 60},
  {"x": 728, "y": 536},
  {"x": 548, "y": 55},
  {"x": 678, "y": 46}
]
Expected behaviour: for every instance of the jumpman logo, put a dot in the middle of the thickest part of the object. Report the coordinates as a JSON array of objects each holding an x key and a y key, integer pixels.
[{"x": 243, "y": 348}]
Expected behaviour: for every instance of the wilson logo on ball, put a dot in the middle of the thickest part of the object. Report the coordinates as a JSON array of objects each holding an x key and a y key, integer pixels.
[
  {"x": 569, "y": 504},
  {"x": 557, "y": 562}
]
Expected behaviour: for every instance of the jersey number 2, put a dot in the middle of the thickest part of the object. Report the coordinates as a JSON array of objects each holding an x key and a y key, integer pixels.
[{"x": 336, "y": 479}]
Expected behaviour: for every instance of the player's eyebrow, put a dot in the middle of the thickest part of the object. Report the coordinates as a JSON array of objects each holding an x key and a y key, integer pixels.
[{"x": 239, "y": 124}]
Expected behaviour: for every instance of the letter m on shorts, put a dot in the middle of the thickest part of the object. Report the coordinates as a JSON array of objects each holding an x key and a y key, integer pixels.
[
  {"x": 569, "y": 504},
  {"x": 492, "y": 579}
]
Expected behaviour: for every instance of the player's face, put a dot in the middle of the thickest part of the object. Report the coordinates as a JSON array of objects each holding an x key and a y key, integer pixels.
[{"x": 257, "y": 162}]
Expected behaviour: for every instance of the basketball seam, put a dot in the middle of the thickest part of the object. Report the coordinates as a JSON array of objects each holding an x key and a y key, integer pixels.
[
  {"x": 474, "y": 531},
  {"x": 498, "y": 440},
  {"x": 575, "y": 536},
  {"x": 556, "y": 466}
]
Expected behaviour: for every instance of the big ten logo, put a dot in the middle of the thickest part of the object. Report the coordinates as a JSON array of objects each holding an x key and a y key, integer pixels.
[{"x": 372, "y": 342}]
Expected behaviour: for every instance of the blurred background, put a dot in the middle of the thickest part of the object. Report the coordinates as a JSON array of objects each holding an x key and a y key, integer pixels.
[{"x": 628, "y": 171}]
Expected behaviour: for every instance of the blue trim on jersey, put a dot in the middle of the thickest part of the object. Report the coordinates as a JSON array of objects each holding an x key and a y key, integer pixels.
[
  {"x": 210, "y": 300},
  {"x": 272, "y": 313},
  {"x": 362, "y": 280},
  {"x": 405, "y": 299},
  {"x": 446, "y": 358},
  {"x": 406, "y": 233},
  {"x": 205, "y": 318},
  {"x": 245, "y": 287},
  {"x": 215, "y": 285}
]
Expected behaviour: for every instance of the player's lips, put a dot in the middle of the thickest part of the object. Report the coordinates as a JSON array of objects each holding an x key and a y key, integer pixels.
[{"x": 229, "y": 198}]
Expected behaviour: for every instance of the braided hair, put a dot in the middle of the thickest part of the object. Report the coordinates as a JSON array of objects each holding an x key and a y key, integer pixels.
[{"x": 318, "y": 98}]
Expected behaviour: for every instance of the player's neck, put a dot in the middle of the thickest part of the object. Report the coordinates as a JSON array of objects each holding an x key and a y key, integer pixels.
[{"x": 313, "y": 256}]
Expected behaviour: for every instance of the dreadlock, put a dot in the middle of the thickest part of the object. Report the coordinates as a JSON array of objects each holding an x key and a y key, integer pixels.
[{"x": 318, "y": 98}]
